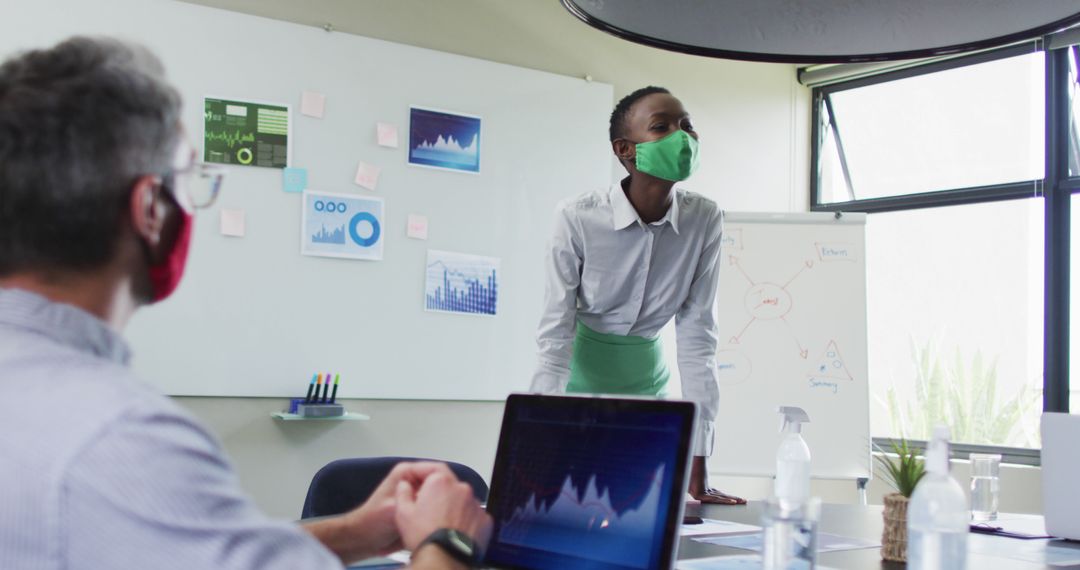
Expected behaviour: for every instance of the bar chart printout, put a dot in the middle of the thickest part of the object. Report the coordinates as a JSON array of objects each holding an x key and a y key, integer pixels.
[{"x": 461, "y": 283}]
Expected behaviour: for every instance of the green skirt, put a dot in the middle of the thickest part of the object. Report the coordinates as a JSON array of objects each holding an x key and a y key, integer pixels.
[{"x": 613, "y": 364}]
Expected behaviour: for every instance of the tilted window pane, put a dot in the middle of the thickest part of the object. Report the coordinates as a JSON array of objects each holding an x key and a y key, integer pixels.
[
  {"x": 1074, "y": 108},
  {"x": 971, "y": 126},
  {"x": 831, "y": 185}
]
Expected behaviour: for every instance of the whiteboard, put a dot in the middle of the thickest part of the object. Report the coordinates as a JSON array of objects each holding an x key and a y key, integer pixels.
[
  {"x": 791, "y": 305},
  {"x": 253, "y": 317}
]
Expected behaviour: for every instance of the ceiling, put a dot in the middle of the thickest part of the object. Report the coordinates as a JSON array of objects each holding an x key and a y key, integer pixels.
[
  {"x": 535, "y": 34},
  {"x": 467, "y": 27}
]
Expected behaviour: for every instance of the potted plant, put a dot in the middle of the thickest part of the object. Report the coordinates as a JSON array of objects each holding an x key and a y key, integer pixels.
[{"x": 902, "y": 474}]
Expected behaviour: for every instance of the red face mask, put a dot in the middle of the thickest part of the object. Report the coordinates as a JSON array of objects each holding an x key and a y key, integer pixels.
[{"x": 165, "y": 277}]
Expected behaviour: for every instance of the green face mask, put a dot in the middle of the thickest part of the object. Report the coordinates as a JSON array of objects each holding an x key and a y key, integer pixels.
[{"x": 674, "y": 157}]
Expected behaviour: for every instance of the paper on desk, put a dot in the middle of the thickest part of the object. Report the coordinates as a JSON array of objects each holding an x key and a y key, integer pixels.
[
  {"x": 725, "y": 563},
  {"x": 395, "y": 560},
  {"x": 1046, "y": 552},
  {"x": 826, "y": 542},
  {"x": 1034, "y": 525},
  {"x": 377, "y": 564},
  {"x": 747, "y": 562},
  {"x": 713, "y": 526}
]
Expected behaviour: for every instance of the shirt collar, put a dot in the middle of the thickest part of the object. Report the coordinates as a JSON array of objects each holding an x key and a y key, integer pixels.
[
  {"x": 672, "y": 215},
  {"x": 623, "y": 213},
  {"x": 65, "y": 324}
]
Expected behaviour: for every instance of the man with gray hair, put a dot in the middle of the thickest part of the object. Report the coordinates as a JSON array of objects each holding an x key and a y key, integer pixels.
[{"x": 98, "y": 188}]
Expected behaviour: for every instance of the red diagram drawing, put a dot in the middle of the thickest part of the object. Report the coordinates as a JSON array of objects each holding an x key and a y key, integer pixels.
[
  {"x": 831, "y": 364},
  {"x": 768, "y": 301}
]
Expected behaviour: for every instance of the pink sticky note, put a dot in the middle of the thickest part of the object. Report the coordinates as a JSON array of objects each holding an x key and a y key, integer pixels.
[
  {"x": 367, "y": 175},
  {"x": 417, "y": 227},
  {"x": 313, "y": 104},
  {"x": 387, "y": 134},
  {"x": 232, "y": 223}
]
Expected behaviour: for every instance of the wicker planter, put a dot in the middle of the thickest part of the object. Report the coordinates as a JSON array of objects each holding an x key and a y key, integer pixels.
[{"x": 894, "y": 536}]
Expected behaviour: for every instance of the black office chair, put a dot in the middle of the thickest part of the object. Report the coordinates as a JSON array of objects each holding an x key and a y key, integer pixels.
[{"x": 346, "y": 483}]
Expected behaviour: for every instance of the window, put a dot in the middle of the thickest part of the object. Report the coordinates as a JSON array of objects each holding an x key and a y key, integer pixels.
[
  {"x": 968, "y": 172},
  {"x": 970, "y": 126},
  {"x": 955, "y": 322},
  {"x": 1074, "y": 307}
]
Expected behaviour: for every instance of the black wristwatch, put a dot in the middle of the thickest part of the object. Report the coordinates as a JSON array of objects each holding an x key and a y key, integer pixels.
[{"x": 455, "y": 543}]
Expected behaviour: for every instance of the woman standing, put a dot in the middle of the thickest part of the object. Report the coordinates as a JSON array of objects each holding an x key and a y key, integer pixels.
[{"x": 624, "y": 261}]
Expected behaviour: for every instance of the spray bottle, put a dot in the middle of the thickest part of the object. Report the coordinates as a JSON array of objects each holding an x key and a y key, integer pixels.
[
  {"x": 937, "y": 516},
  {"x": 792, "y": 458}
]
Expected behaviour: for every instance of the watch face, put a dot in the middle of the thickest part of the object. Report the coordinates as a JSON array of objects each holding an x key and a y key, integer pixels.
[{"x": 460, "y": 541}]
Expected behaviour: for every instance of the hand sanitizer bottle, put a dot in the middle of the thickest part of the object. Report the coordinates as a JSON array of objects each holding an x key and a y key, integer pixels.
[
  {"x": 792, "y": 459},
  {"x": 937, "y": 517}
]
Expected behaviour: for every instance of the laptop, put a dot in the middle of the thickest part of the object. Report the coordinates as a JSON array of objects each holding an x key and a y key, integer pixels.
[
  {"x": 1060, "y": 473},
  {"x": 589, "y": 482}
]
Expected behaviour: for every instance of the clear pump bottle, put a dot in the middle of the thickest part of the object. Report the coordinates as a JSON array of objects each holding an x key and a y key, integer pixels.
[
  {"x": 792, "y": 459},
  {"x": 937, "y": 517}
]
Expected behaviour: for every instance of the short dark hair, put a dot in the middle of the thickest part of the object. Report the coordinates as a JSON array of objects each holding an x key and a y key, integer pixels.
[
  {"x": 617, "y": 127},
  {"x": 79, "y": 123}
]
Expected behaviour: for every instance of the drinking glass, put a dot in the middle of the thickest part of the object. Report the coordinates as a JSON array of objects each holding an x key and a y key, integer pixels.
[
  {"x": 985, "y": 486},
  {"x": 790, "y": 534}
]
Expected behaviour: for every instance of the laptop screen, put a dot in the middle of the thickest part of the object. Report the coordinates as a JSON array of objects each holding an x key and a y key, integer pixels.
[{"x": 588, "y": 482}]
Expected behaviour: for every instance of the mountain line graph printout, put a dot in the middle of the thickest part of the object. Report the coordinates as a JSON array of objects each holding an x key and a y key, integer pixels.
[{"x": 444, "y": 140}]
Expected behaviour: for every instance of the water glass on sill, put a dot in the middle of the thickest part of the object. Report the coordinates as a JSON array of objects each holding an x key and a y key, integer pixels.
[{"x": 985, "y": 486}]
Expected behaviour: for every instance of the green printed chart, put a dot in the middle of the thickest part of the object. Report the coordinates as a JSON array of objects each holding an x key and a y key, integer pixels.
[{"x": 247, "y": 134}]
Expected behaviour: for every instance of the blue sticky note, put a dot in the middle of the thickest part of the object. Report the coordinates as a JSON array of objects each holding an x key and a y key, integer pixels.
[{"x": 294, "y": 180}]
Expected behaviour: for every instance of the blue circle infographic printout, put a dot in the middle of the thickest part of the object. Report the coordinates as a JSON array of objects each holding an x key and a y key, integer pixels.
[{"x": 342, "y": 225}]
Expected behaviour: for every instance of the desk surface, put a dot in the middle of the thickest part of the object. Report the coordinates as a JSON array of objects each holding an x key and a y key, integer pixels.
[{"x": 857, "y": 521}]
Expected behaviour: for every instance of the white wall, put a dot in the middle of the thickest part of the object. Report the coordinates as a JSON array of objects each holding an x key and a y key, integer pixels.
[
  {"x": 276, "y": 460},
  {"x": 753, "y": 121},
  {"x": 754, "y": 124}
]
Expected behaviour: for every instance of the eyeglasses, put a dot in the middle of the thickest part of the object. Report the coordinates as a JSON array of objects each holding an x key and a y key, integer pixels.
[{"x": 195, "y": 187}]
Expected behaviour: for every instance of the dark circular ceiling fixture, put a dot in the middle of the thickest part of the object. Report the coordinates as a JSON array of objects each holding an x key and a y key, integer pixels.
[{"x": 826, "y": 31}]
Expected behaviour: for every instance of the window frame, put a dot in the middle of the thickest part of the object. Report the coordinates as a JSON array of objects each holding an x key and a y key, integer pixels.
[{"x": 1055, "y": 188}]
